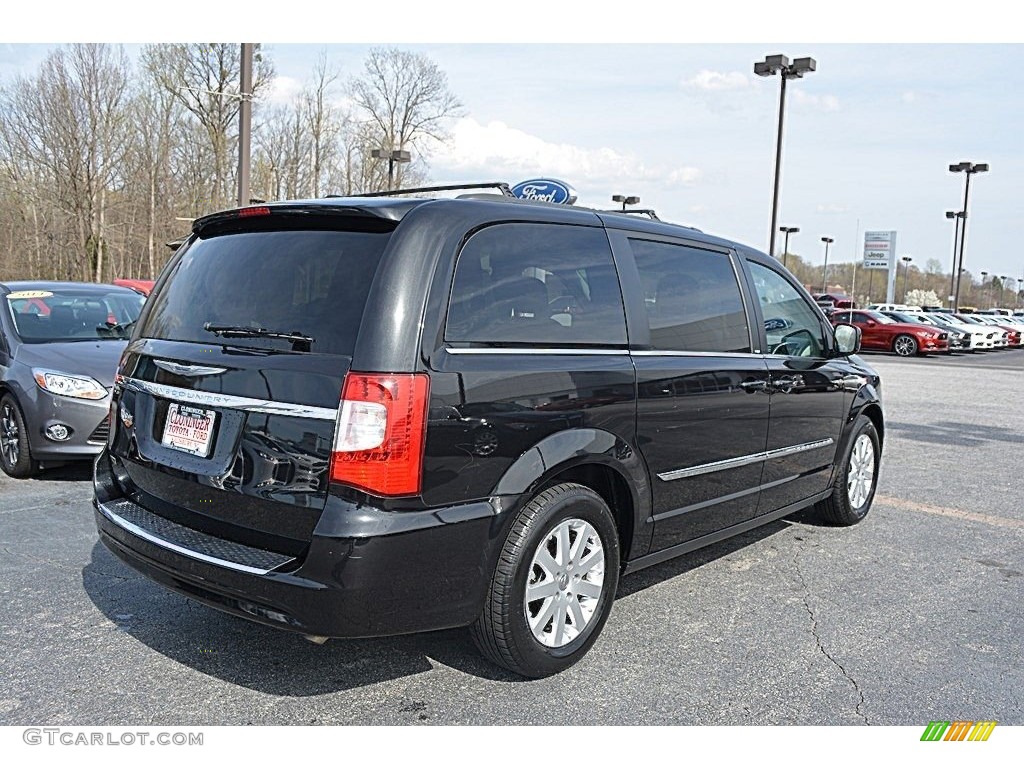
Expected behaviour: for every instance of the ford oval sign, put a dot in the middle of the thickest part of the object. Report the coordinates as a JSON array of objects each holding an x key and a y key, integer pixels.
[{"x": 545, "y": 190}]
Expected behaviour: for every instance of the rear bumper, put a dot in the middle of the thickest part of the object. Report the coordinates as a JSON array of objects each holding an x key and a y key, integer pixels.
[{"x": 431, "y": 573}]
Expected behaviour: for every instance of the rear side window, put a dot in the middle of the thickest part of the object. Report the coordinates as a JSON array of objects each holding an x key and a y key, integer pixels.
[
  {"x": 692, "y": 298},
  {"x": 313, "y": 282},
  {"x": 542, "y": 284}
]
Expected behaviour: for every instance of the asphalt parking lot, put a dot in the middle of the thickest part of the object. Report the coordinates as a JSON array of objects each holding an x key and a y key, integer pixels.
[{"x": 914, "y": 615}]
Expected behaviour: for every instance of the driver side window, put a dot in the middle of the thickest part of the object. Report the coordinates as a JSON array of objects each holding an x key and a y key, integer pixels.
[{"x": 790, "y": 323}]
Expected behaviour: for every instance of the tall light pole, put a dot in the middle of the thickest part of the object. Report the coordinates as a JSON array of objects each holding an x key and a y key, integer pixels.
[
  {"x": 824, "y": 272},
  {"x": 785, "y": 248},
  {"x": 625, "y": 200},
  {"x": 780, "y": 65},
  {"x": 984, "y": 288},
  {"x": 394, "y": 156},
  {"x": 906, "y": 268},
  {"x": 1002, "y": 287},
  {"x": 244, "y": 124},
  {"x": 968, "y": 168},
  {"x": 957, "y": 216}
]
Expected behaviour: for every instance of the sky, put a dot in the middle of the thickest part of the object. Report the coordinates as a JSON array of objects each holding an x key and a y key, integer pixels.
[{"x": 688, "y": 128}]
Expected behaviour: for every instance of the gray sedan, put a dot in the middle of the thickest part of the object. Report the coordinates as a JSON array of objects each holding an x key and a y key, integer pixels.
[{"x": 59, "y": 348}]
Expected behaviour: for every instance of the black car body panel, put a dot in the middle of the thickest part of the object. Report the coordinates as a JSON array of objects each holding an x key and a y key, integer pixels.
[{"x": 686, "y": 446}]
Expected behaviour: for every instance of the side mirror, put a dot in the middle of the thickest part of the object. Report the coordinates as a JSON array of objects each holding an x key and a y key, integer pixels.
[
  {"x": 870, "y": 322},
  {"x": 847, "y": 339}
]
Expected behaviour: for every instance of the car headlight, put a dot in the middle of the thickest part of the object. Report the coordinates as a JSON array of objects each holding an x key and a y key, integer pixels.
[{"x": 64, "y": 384}]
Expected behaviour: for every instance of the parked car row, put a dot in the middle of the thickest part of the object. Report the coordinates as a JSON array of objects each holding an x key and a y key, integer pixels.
[{"x": 912, "y": 331}]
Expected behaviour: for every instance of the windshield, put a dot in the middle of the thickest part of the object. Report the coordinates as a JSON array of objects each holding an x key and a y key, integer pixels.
[
  {"x": 878, "y": 317},
  {"x": 298, "y": 290},
  {"x": 74, "y": 314}
]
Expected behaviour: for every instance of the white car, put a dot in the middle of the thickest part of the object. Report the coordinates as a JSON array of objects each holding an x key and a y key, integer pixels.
[
  {"x": 981, "y": 337},
  {"x": 1001, "y": 321},
  {"x": 1000, "y": 337}
]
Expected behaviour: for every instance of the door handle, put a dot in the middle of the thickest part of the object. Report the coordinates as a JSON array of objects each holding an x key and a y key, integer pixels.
[
  {"x": 755, "y": 385},
  {"x": 787, "y": 384},
  {"x": 850, "y": 383}
]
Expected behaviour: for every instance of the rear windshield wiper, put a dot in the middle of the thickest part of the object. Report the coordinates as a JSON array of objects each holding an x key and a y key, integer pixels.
[{"x": 300, "y": 341}]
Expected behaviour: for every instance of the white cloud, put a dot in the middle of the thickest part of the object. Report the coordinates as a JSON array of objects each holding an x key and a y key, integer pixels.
[
  {"x": 832, "y": 208},
  {"x": 699, "y": 208},
  {"x": 909, "y": 97},
  {"x": 283, "y": 90},
  {"x": 501, "y": 149},
  {"x": 709, "y": 80},
  {"x": 824, "y": 102}
]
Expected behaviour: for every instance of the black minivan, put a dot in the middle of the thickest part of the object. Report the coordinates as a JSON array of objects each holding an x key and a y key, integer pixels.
[{"x": 368, "y": 416}]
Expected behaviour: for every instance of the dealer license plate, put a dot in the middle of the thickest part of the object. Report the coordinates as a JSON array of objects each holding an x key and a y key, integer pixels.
[{"x": 189, "y": 429}]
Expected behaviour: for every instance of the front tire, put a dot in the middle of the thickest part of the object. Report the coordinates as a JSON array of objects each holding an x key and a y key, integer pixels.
[
  {"x": 904, "y": 345},
  {"x": 15, "y": 454},
  {"x": 554, "y": 584},
  {"x": 855, "y": 485}
]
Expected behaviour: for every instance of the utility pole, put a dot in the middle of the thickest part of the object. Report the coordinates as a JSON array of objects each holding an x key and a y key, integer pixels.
[{"x": 245, "y": 124}]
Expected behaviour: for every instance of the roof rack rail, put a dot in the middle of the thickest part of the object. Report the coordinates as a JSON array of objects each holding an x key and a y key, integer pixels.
[
  {"x": 641, "y": 211},
  {"x": 502, "y": 186}
]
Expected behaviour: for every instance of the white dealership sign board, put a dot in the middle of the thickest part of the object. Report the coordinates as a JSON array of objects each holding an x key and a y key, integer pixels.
[
  {"x": 879, "y": 250},
  {"x": 880, "y": 253}
]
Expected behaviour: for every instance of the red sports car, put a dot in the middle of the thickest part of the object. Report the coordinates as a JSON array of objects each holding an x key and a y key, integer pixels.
[
  {"x": 886, "y": 335},
  {"x": 144, "y": 287}
]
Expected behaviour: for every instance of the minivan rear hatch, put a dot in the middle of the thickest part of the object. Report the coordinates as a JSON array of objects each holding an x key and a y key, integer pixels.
[{"x": 230, "y": 389}]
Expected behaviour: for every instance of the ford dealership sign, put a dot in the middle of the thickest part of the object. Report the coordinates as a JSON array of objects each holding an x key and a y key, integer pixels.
[{"x": 545, "y": 190}]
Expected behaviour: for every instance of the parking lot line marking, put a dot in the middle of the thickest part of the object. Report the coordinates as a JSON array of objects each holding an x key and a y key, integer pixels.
[{"x": 931, "y": 509}]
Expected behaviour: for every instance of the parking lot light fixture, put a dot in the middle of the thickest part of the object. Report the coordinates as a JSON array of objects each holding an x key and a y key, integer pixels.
[
  {"x": 785, "y": 247},
  {"x": 824, "y": 271},
  {"x": 967, "y": 168},
  {"x": 984, "y": 288},
  {"x": 394, "y": 156},
  {"x": 956, "y": 217},
  {"x": 780, "y": 65},
  {"x": 1002, "y": 287},
  {"x": 625, "y": 200}
]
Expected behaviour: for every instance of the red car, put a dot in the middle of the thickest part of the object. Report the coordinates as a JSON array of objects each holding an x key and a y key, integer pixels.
[
  {"x": 144, "y": 287},
  {"x": 886, "y": 335}
]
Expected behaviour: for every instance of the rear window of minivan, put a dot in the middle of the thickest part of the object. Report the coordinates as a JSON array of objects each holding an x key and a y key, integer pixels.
[{"x": 310, "y": 282}]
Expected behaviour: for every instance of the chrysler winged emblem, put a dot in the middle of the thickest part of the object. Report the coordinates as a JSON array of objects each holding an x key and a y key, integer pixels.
[{"x": 182, "y": 369}]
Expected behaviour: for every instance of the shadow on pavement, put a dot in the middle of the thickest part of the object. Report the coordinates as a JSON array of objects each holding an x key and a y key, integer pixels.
[
  {"x": 262, "y": 658},
  {"x": 955, "y": 433},
  {"x": 641, "y": 580},
  {"x": 285, "y": 664},
  {"x": 75, "y": 471}
]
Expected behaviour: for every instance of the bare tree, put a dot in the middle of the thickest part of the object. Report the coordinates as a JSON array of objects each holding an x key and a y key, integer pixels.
[
  {"x": 406, "y": 100},
  {"x": 325, "y": 123},
  {"x": 70, "y": 123},
  {"x": 204, "y": 78}
]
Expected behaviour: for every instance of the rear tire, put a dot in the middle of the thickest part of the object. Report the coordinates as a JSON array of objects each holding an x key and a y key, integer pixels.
[
  {"x": 563, "y": 547},
  {"x": 15, "y": 454},
  {"x": 855, "y": 485}
]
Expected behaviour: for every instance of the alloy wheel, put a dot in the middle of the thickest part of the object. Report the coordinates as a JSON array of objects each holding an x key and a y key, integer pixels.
[
  {"x": 861, "y": 474},
  {"x": 905, "y": 346},
  {"x": 10, "y": 437},
  {"x": 565, "y": 582}
]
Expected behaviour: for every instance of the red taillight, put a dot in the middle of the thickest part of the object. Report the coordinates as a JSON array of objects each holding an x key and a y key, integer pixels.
[
  {"x": 258, "y": 211},
  {"x": 382, "y": 424}
]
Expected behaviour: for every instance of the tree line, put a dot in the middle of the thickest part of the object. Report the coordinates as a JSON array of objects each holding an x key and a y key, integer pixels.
[
  {"x": 929, "y": 279},
  {"x": 103, "y": 159}
]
